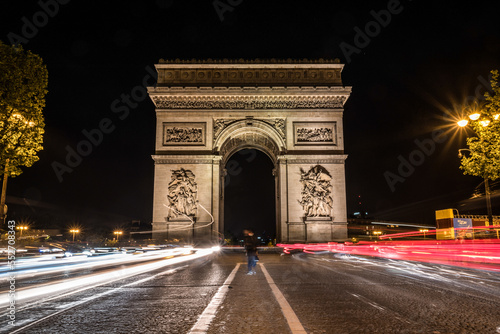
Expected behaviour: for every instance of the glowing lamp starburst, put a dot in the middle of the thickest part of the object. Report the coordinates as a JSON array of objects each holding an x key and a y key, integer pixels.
[{"x": 475, "y": 116}]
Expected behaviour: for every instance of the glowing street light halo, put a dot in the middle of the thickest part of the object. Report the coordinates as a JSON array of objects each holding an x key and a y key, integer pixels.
[
  {"x": 475, "y": 116},
  {"x": 22, "y": 228},
  {"x": 118, "y": 233},
  {"x": 74, "y": 231}
]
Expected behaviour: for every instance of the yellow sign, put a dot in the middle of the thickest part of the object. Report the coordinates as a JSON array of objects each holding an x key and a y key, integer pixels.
[
  {"x": 444, "y": 214},
  {"x": 445, "y": 233}
]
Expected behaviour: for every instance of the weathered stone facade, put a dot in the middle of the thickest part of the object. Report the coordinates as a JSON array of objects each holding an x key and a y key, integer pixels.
[{"x": 291, "y": 110}]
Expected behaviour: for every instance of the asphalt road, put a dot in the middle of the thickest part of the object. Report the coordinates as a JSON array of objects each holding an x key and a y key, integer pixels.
[{"x": 300, "y": 293}]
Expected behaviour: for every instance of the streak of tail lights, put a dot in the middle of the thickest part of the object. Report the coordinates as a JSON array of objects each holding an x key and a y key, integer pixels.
[
  {"x": 478, "y": 254},
  {"x": 32, "y": 267},
  {"x": 89, "y": 281}
]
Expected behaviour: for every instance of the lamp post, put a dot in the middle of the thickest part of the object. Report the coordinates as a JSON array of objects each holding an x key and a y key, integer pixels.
[
  {"x": 22, "y": 228},
  {"x": 117, "y": 233},
  {"x": 423, "y": 231},
  {"x": 481, "y": 149},
  {"x": 486, "y": 190},
  {"x": 74, "y": 232}
]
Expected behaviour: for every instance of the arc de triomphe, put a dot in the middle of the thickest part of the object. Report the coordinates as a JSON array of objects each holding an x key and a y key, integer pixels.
[{"x": 291, "y": 110}]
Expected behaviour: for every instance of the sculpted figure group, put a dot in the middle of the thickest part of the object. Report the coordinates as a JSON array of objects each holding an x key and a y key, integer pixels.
[
  {"x": 182, "y": 194},
  {"x": 316, "y": 192}
]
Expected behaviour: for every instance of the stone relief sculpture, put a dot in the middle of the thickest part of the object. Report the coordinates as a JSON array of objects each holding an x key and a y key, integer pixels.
[
  {"x": 314, "y": 135},
  {"x": 249, "y": 102},
  {"x": 279, "y": 124},
  {"x": 183, "y": 135},
  {"x": 219, "y": 125},
  {"x": 182, "y": 194},
  {"x": 316, "y": 192}
]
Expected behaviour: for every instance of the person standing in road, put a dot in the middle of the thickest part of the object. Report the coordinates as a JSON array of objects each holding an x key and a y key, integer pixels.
[{"x": 251, "y": 250}]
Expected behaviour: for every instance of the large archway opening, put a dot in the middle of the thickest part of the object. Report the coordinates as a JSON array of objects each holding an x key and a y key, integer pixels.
[{"x": 249, "y": 196}]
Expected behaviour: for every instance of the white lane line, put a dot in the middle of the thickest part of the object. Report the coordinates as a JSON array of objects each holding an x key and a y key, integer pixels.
[
  {"x": 210, "y": 311},
  {"x": 366, "y": 300},
  {"x": 291, "y": 317},
  {"x": 86, "y": 300},
  {"x": 381, "y": 308}
]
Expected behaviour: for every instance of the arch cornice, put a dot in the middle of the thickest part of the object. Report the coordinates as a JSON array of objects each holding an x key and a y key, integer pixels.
[{"x": 233, "y": 98}]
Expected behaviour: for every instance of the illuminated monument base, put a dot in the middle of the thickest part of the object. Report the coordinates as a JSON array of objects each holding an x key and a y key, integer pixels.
[{"x": 208, "y": 110}]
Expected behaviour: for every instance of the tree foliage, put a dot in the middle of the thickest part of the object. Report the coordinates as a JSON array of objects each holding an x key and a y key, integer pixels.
[
  {"x": 484, "y": 158},
  {"x": 23, "y": 86}
]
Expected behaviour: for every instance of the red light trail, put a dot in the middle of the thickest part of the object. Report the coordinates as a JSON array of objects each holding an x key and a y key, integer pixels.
[{"x": 478, "y": 254}]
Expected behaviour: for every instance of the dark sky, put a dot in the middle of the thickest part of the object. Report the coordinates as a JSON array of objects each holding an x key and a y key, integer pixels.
[{"x": 426, "y": 57}]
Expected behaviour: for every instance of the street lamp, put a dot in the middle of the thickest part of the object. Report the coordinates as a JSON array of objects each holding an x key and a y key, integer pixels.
[
  {"x": 74, "y": 231},
  {"x": 484, "y": 123},
  {"x": 22, "y": 228},
  {"x": 486, "y": 190},
  {"x": 117, "y": 233},
  {"x": 423, "y": 231}
]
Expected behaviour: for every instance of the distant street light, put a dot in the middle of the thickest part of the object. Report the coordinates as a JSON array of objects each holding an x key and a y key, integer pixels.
[
  {"x": 74, "y": 232},
  {"x": 423, "y": 231},
  {"x": 22, "y": 228},
  {"x": 117, "y": 233}
]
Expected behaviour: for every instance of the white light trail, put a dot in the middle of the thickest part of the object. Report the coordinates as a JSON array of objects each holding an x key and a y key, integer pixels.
[{"x": 90, "y": 281}]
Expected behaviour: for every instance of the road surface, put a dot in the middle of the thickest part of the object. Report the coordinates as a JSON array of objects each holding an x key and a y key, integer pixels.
[{"x": 299, "y": 293}]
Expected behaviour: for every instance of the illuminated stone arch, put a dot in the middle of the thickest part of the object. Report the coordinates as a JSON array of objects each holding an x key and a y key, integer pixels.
[
  {"x": 251, "y": 133},
  {"x": 291, "y": 110}
]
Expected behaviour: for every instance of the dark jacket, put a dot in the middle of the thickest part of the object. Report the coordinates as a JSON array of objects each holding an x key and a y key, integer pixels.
[{"x": 251, "y": 245}]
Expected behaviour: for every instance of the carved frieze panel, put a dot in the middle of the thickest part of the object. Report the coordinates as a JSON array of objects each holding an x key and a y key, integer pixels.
[
  {"x": 315, "y": 133},
  {"x": 249, "y": 76},
  {"x": 182, "y": 195},
  {"x": 316, "y": 199},
  {"x": 248, "y": 102},
  {"x": 257, "y": 72},
  {"x": 184, "y": 133}
]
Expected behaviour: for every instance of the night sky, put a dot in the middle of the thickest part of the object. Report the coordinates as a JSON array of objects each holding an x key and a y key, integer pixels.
[{"x": 408, "y": 77}]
